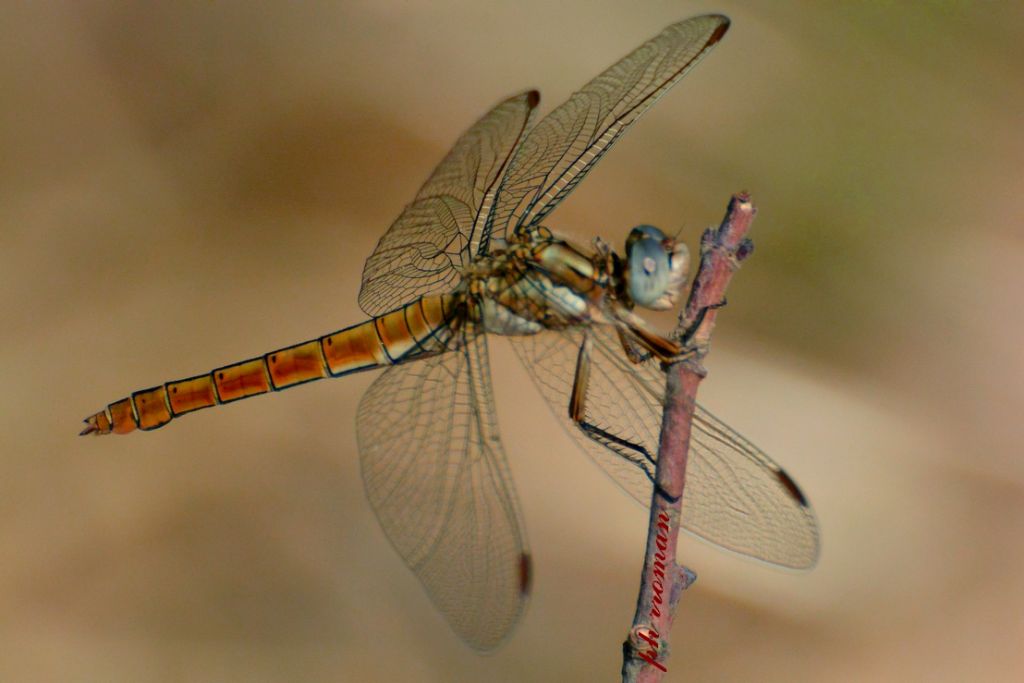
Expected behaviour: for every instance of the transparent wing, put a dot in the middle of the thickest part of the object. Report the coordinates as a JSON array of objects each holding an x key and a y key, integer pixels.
[
  {"x": 735, "y": 496},
  {"x": 562, "y": 148},
  {"x": 438, "y": 481},
  {"x": 435, "y": 236}
]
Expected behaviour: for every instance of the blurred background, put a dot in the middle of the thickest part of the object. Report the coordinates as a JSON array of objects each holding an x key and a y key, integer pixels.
[{"x": 186, "y": 184}]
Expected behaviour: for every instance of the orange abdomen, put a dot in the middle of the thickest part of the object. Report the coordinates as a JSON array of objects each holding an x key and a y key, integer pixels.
[{"x": 422, "y": 327}]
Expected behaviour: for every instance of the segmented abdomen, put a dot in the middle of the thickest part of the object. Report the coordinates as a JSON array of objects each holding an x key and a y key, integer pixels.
[{"x": 422, "y": 327}]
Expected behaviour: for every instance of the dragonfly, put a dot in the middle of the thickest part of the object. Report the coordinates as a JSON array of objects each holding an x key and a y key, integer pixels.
[{"x": 469, "y": 258}]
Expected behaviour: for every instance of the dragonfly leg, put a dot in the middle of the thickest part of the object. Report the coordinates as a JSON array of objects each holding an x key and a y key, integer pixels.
[
  {"x": 634, "y": 352},
  {"x": 577, "y": 407},
  {"x": 688, "y": 333},
  {"x": 633, "y": 452}
]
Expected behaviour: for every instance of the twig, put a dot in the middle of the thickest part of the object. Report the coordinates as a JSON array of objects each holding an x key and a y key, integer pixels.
[{"x": 663, "y": 580}]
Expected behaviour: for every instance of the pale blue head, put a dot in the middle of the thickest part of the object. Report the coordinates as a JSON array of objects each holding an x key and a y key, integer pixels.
[{"x": 656, "y": 268}]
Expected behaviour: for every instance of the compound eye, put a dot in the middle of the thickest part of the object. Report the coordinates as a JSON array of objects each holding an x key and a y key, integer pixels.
[{"x": 649, "y": 271}]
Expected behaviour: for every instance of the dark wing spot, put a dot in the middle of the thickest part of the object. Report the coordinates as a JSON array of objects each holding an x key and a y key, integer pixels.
[
  {"x": 719, "y": 32},
  {"x": 791, "y": 487},
  {"x": 273, "y": 358},
  {"x": 525, "y": 573}
]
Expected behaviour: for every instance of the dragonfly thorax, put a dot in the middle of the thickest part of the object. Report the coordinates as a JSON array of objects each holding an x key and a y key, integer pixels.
[
  {"x": 538, "y": 281},
  {"x": 543, "y": 283}
]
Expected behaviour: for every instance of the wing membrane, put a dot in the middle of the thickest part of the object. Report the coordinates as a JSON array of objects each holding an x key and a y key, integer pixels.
[
  {"x": 563, "y": 147},
  {"x": 438, "y": 481},
  {"x": 441, "y": 230},
  {"x": 735, "y": 497}
]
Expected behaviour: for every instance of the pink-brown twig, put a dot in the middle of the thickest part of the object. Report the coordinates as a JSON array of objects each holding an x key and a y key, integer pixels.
[{"x": 663, "y": 580}]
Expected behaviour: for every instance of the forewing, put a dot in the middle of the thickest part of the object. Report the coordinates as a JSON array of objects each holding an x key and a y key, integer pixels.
[
  {"x": 562, "y": 148},
  {"x": 440, "y": 231},
  {"x": 735, "y": 496},
  {"x": 439, "y": 483}
]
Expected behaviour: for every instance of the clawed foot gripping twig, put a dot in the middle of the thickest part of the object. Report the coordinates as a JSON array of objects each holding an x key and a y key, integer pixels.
[{"x": 645, "y": 650}]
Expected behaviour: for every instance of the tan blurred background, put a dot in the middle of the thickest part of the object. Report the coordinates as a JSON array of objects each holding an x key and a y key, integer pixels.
[{"x": 187, "y": 184}]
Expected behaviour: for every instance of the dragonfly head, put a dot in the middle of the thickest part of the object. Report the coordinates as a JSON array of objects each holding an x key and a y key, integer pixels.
[{"x": 656, "y": 268}]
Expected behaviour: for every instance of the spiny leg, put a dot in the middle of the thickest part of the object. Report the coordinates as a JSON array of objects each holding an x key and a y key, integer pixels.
[
  {"x": 638, "y": 352},
  {"x": 634, "y": 352}
]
